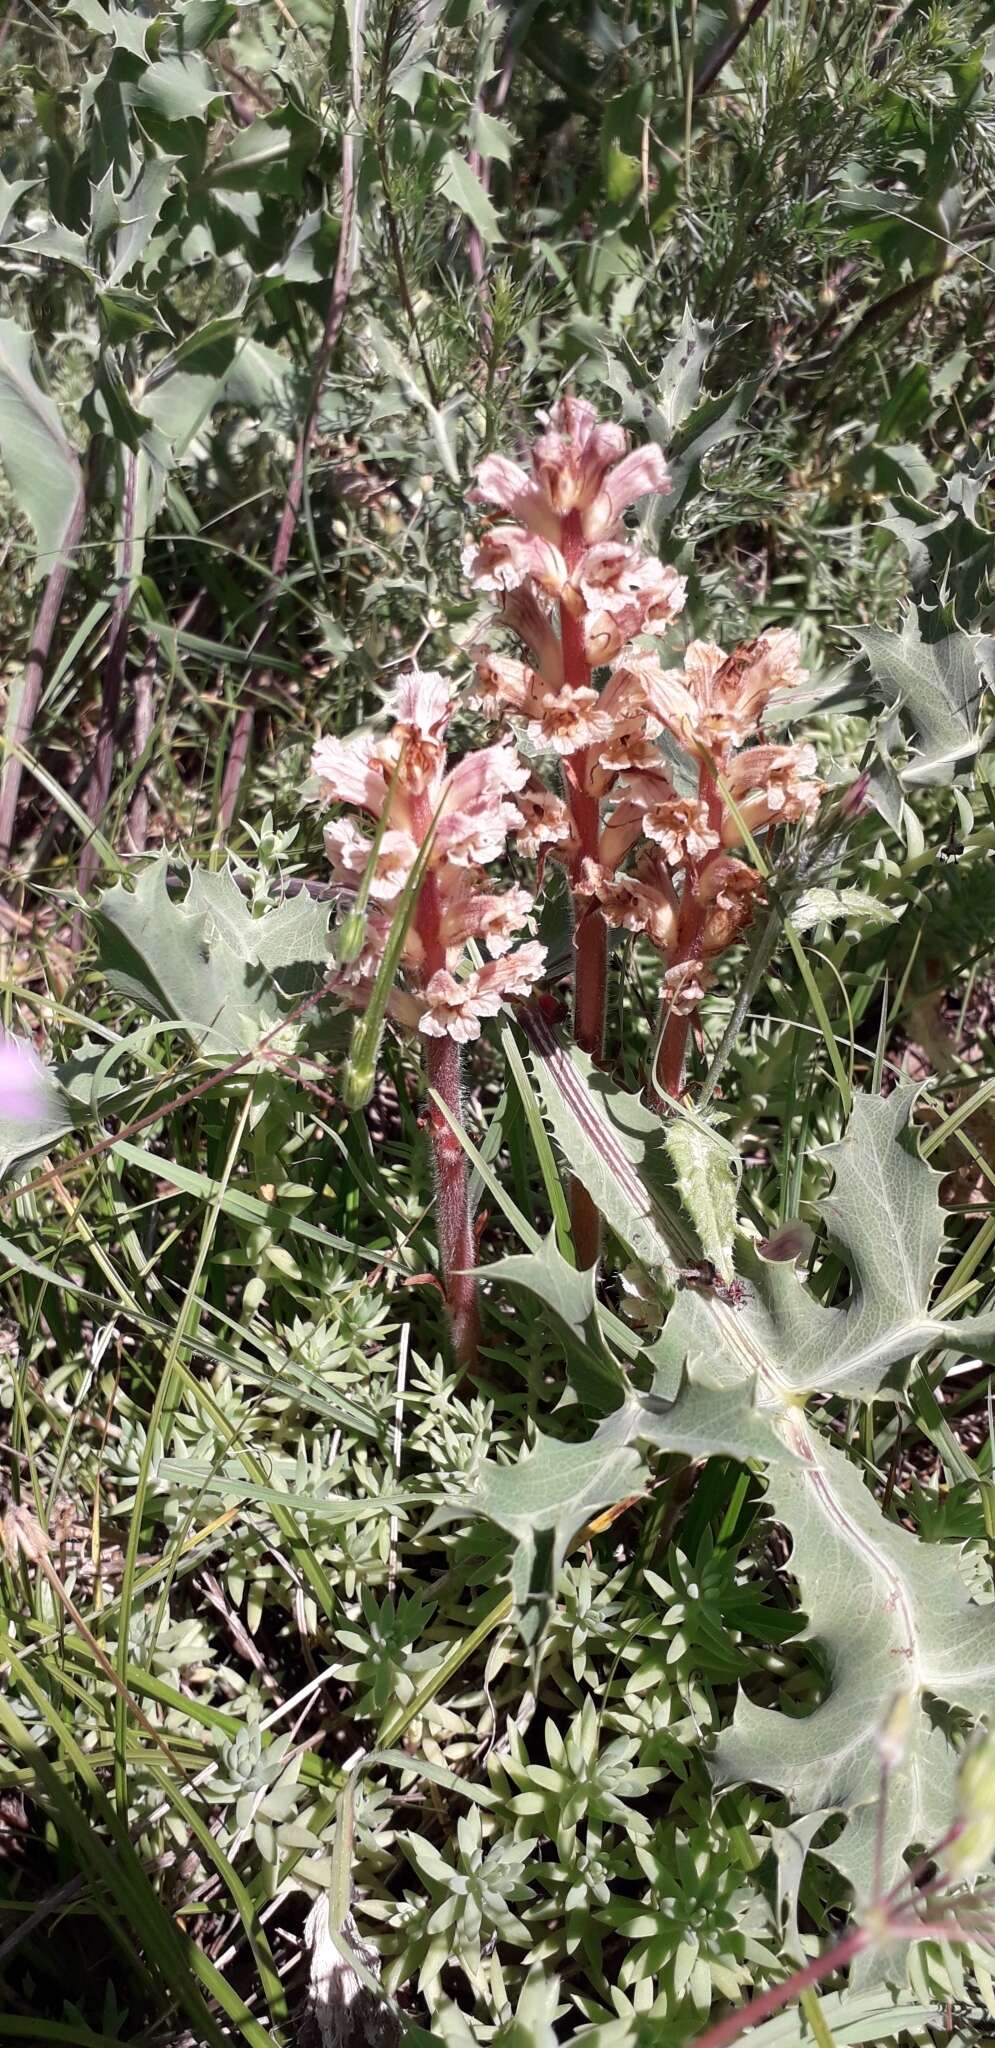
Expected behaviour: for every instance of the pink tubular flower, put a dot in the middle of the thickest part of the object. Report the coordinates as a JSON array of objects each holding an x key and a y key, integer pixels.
[
  {"x": 685, "y": 987},
  {"x": 545, "y": 823},
  {"x": 454, "y": 1009},
  {"x": 507, "y": 555},
  {"x": 509, "y": 487},
  {"x": 631, "y": 904},
  {"x": 495, "y": 920},
  {"x": 771, "y": 786},
  {"x": 569, "y": 720},
  {"x": 348, "y": 774},
  {"x": 636, "y": 476},
  {"x": 728, "y": 890},
  {"x": 22, "y": 1082},
  {"x": 471, "y": 811},
  {"x": 681, "y": 826},
  {"x": 641, "y": 854}
]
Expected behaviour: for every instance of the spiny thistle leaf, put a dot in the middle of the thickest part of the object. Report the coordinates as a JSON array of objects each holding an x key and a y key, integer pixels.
[
  {"x": 707, "y": 1170},
  {"x": 891, "y": 1615},
  {"x": 939, "y": 686},
  {"x": 544, "y": 1501},
  {"x": 203, "y": 961}
]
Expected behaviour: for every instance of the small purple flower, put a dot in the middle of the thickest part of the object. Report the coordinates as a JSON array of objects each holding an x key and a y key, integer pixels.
[{"x": 22, "y": 1082}]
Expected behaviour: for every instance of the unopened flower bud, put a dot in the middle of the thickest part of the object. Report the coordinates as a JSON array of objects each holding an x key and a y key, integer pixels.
[
  {"x": 791, "y": 1241},
  {"x": 974, "y": 1841},
  {"x": 350, "y": 938},
  {"x": 893, "y": 1734},
  {"x": 854, "y": 800},
  {"x": 358, "y": 1077}
]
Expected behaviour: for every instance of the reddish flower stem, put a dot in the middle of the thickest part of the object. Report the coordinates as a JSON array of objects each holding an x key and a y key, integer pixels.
[
  {"x": 444, "y": 1068},
  {"x": 457, "y": 1251},
  {"x": 590, "y": 944},
  {"x": 780, "y": 1995}
]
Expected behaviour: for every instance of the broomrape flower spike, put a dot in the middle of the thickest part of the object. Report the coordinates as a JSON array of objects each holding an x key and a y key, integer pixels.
[
  {"x": 445, "y": 827},
  {"x": 642, "y": 854}
]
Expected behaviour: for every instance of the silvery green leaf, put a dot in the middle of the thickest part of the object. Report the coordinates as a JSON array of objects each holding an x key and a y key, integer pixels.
[
  {"x": 707, "y": 1169},
  {"x": 544, "y": 1500},
  {"x": 938, "y": 685},
  {"x": 41, "y": 463},
  {"x": 735, "y": 1377},
  {"x": 828, "y": 906},
  {"x": 203, "y": 961}
]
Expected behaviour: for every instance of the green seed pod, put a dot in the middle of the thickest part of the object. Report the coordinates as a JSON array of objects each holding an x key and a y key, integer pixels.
[
  {"x": 359, "y": 1072},
  {"x": 350, "y": 937},
  {"x": 975, "y": 1841}
]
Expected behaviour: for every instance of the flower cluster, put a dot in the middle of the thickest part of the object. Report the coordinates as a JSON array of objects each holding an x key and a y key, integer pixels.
[
  {"x": 402, "y": 773},
  {"x": 638, "y": 816}
]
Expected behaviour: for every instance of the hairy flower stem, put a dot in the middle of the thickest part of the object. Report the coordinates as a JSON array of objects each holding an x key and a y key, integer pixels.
[
  {"x": 590, "y": 944},
  {"x": 667, "y": 1070},
  {"x": 457, "y": 1251},
  {"x": 780, "y": 1995},
  {"x": 444, "y": 1068}
]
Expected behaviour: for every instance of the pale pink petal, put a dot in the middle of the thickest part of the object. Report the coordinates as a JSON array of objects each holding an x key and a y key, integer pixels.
[
  {"x": 348, "y": 853},
  {"x": 504, "y": 684},
  {"x": 571, "y": 457},
  {"x": 449, "y": 1011},
  {"x": 545, "y": 822},
  {"x": 347, "y": 772},
  {"x": 570, "y": 720},
  {"x": 490, "y": 772},
  {"x": 682, "y": 827},
  {"x": 494, "y": 920},
  {"x": 619, "y": 834},
  {"x": 575, "y": 418},
  {"x": 506, "y": 556},
  {"x": 509, "y": 487},
  {"x": 631, "y": 904},
  {"x": 422, "y": 702},
  {"x": 472, "y": 838},
  {"x": 636, "y": 476},
  {"x": 515, "y": 975},
  {"x": 23, "y": 1082},
  {"x": 685, "y": 987}
]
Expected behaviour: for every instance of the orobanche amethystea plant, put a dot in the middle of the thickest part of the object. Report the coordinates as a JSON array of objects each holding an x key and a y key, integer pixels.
[
  {"x": 456, "y": 823},
  {"x": 645, "y": 831}
]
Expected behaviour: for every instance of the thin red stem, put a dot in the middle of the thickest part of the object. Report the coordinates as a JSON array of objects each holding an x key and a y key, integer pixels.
[
  {"x": 444, "y": 1067},
  {"x": 780, "y": 1995},
  {"x": 590, "y": 947},
  {"x": 457, "y": 1251}
]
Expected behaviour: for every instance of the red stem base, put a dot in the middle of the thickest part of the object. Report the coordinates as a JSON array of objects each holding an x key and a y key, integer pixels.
[{"x": 457, "y": 1250}]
